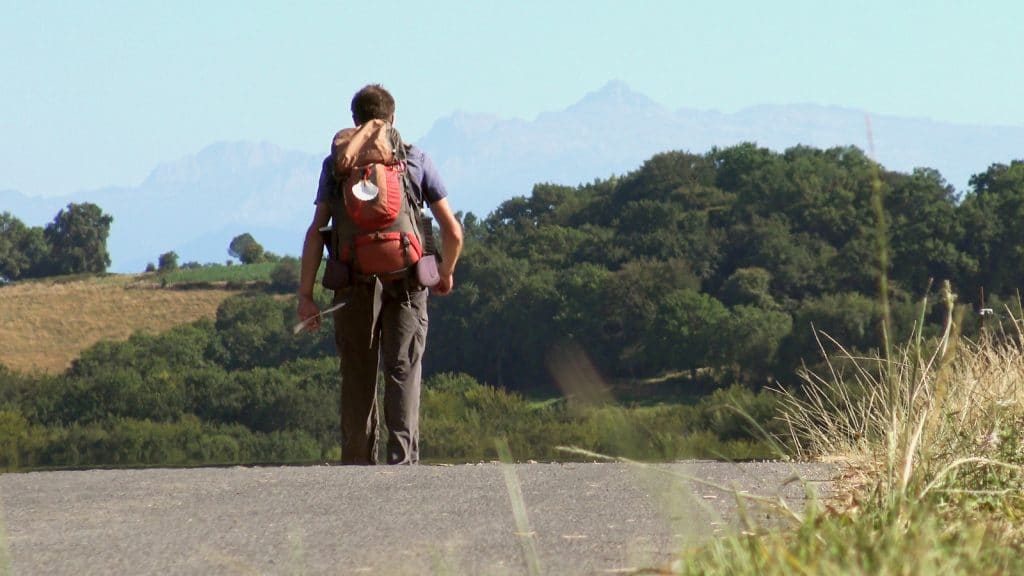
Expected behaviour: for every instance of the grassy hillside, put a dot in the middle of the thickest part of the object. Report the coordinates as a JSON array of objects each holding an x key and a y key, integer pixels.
[
  {"x": 259, "y": 272},
  {"x": 45, "y": 324}
]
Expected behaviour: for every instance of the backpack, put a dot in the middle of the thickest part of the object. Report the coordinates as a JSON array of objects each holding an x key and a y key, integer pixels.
[{"x": 375, "y": 227}]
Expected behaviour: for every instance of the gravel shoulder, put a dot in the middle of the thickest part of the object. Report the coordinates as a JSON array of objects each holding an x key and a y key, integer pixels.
[{"x": 585, "y": 518}]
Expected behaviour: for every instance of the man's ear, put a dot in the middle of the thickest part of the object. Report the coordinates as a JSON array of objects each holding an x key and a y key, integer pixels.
[{"x": 392, "y": 120}]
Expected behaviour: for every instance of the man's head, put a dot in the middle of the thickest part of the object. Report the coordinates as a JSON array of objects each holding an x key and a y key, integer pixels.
[{"x": 372, "y": 102}]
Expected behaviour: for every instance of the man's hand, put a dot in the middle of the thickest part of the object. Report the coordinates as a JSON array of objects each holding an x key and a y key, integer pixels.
[
  {"x": 312, "y": 254},
  {"x": 444, "y": 285},
  {"x": 308, "y": 310}
]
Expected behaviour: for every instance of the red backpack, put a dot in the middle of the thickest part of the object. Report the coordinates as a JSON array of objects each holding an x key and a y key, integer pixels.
[{"x": 374, "y": 217}]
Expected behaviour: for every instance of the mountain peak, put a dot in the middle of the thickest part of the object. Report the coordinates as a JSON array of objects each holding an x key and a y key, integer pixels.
[
  {"x": 615, "y": 94},
  {"x": 223, "y": 157},
  {"x": 615, "y": 87}
]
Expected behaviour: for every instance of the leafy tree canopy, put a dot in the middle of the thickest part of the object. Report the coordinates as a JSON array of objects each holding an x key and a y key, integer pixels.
[
  {"x": 78, "y": 240},
  {"x": 246, "y": 249}
]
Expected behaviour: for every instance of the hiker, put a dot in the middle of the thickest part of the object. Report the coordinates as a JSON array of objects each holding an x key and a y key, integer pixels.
[{"x": 381, "y": 277}]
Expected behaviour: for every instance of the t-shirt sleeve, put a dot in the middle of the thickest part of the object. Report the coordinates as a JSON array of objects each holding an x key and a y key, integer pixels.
[
  {"x": 433, "y": 186},
  {"x": 327, "y": 182}
]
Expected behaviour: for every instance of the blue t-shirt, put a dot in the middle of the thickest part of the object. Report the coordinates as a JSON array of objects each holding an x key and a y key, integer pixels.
[{"x": 423, "y": 175}]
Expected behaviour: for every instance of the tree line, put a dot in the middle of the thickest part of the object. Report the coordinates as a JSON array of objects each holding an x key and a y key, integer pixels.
[
  {"x": 706, "y": 268},
  {"x": 700, "y": 270},
  {"x": 715, "y": 266},
  {"x": 241, "y": 389},
  {"x": 75, "y": 242}
]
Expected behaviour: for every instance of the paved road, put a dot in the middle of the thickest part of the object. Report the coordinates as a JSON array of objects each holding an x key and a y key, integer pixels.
[{"x": 583, "y": 518}]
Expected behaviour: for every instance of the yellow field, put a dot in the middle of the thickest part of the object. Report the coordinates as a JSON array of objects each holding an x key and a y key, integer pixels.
[{"x": 44, "y": 325}]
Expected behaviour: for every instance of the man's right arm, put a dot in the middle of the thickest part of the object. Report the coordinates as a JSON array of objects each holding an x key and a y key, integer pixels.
[
  {"x": 451, "y": 244},
  {"x": 312, "y": 255}
]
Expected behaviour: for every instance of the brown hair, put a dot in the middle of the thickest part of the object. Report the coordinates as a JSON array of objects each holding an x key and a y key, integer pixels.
[{"x": 372, "y": 102}]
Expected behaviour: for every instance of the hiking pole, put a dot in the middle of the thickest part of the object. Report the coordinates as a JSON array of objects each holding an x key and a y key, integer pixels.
[{"x": 302, "y": 325}]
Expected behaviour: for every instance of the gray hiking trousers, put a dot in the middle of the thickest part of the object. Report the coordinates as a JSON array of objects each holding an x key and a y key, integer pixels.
[{"x": 385, "y": 325}]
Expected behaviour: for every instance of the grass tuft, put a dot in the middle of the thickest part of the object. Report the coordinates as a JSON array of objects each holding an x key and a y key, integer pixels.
[{"x": 930, "y": 434}]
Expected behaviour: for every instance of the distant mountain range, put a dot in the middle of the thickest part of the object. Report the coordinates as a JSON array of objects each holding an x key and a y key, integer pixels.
[{"x": 195, "y": 205}]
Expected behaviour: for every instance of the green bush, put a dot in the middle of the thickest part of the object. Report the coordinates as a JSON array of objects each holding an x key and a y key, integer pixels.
[
  {"x": 240, "y": 274},
  {"x": 461, "y": 419},
  {"x": 284, "y": 278},
  {"x": 13, "y": 433},
  {"x": 129, "y": 442},
  {"x": 167, "y": 262}
]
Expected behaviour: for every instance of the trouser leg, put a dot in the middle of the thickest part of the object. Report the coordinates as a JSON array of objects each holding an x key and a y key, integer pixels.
[
  {"x": 402, "y": 341},
  {"x": 359, "y": 359}
]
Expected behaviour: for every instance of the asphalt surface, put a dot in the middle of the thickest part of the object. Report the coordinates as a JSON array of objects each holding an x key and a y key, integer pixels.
[{"x": 579, "y": 518}]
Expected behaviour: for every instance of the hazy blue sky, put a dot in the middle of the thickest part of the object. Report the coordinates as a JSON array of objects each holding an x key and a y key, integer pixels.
[{"x": 97, "y": 93}]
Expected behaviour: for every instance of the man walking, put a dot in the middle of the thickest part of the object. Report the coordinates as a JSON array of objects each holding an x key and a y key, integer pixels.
[{"x": 384, "y": 320}]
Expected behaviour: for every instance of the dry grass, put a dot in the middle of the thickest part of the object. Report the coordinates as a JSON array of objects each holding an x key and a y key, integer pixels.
[
  {"x": 916, "y": 417},
  {"x": 932, "y": 430},
  {"x": 44, "y": 325},
  {"x": 919, "y": 423}
]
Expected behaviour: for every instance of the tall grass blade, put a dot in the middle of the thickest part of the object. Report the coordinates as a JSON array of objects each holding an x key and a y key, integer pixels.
[
  {"x": 515, "y": 494},
  {"x": 5, "y": 553}
]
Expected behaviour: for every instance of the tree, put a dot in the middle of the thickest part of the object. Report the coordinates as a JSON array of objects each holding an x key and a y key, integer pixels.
[
  {"x": 690, "y": 331},
  {"x": 748, "y": 171},
  {"x": 23, "y": 250},
  {"x": 284, "y": 278},
  {"x": 755, "y": 335},
  {"x": 924, "y": 231},
  {"x": 628, "y": 314},
  {"x": 749, "y": 286},
  {"x": 78, "y": 240},
  {"x": 11, "y": 231},
  {"x": 672, "y": 176},
  {"x": 168, "y": 261},
  {"x": 851, "y": 319},
  {"x": 246, "y": 249},
  {"x": 797, "y": 263},
  {"x": 251, "y": 332},
  {"x": 992, "y": 233}
]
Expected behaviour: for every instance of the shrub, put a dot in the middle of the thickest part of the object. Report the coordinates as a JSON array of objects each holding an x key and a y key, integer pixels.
[
  {"x": 461, "y": 419},
  {"x": 168, "y": 262},
  {"x": 13, "y": 433},
  {"x": 284, "y": 278}
]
